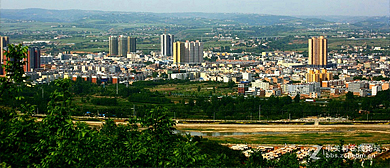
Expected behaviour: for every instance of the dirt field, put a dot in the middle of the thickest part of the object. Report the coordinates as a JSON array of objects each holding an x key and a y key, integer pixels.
[
  {"x": 284, "y": 134},
  {"x": 290, "y": 134},
  {"x": 283, "y": 128}
]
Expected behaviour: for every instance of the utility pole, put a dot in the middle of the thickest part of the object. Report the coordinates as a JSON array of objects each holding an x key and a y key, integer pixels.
[
  {"x": 259, "y": 112},
  {"x": 42, "y": 93}
]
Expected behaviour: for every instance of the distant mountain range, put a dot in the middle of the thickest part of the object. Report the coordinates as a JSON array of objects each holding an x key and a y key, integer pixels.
[{"x": 45, "y": 15}]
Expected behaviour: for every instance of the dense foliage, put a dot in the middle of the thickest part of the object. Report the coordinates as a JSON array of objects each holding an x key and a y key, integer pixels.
[{"x": 200, "y": 105}]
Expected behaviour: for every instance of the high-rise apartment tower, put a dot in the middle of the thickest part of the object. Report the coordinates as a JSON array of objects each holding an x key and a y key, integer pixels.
[
  {"x": 167, "y": 44},
  {"x": 113, "y": 45},
  {"x": 33, "y": 59},
  {"x": 122, "y": 46},
  {"x": 132, "y": 44},
  {"x": 188, "y": 52},
  {"x": 4, "y": 41},
  {"x": 318, "y": 51}
]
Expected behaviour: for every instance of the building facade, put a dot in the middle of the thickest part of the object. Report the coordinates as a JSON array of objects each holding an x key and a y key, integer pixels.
[
  {"x": 113, "y": 45},
  {"x": 315, "y": 75},
  {"x": 122, "y": 46},
  {"x": 188, "y": 52},
  {"x": 178, "y": 52},
  {"x": 318, "y": 52},
  {"x": 33, "y": 59},
  {"x": 132, "y": 44},
  {"x": 4, "y": 41},
  {"x": 167, "y": 44}
]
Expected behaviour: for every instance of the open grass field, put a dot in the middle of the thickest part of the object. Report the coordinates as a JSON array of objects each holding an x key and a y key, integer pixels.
[
  {"x": 190, "y": 90},
  {"x": 336, "y": 43},
  {"x": 305, "y": 138}
]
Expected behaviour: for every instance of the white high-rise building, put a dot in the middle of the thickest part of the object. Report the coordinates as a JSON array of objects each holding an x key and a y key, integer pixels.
[{"x": 167, "y": 44}]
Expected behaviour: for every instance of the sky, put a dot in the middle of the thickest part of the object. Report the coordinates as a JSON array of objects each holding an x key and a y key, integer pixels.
[{"x": 274, "y": 7}]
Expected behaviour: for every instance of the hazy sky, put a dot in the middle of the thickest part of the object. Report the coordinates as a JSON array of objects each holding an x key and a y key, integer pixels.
[{"x": 276, "y": 7}]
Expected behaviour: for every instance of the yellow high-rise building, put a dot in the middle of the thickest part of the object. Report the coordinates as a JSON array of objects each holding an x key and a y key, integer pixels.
[
  {"x": 318, "y": 51},
  {"x": 178, "y": 52}
]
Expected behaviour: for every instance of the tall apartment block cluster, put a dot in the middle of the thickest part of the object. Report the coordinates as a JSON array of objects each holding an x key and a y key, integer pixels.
[
  {"x": 120, "y": 46},
  {"x": 167, "y": 44},
  {"x": 188, "y": 52},
  {"x": 33, "y": 61},
  {"x": 182, "y": 52}
]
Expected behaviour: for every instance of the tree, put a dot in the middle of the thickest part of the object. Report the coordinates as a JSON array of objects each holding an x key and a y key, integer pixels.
[
  {"x": 16, "y": 58},
  {"x": 297, "y": 98},
  {"x": 231, "y": 84},
  {"x": 154, "y": 74},
  {"x": 349, "y": 96},
  {"x": 256, "y": 160}
]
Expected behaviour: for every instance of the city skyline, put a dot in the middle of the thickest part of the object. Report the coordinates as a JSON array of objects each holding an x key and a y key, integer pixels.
[{"x": 292, "y": 8}]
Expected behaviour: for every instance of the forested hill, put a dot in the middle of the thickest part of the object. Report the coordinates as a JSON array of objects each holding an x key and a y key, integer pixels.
[{"x": 45, "y": 15}]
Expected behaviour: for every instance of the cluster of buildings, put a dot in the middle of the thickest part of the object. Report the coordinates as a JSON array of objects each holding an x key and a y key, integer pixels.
[
  {"x": 33, "y": 60},
  {"x": 350, "y": 151},
  {"x": 122, "y": 46},
  {"x": 270, "y": 73},
  {"x": 274, "y": 152},
  {"x": 190, "y": 53},
  {"x": 187, "y": 53}
]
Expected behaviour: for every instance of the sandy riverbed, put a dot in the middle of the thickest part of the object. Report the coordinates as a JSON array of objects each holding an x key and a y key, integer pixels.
[{"x": 282, "y": 128}]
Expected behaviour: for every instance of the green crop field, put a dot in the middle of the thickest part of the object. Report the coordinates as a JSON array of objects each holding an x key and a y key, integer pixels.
[{"x": 306, "y": 138}]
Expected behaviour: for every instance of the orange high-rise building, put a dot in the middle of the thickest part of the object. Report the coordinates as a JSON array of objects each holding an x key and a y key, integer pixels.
[{"x": 318, "y": 51}]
